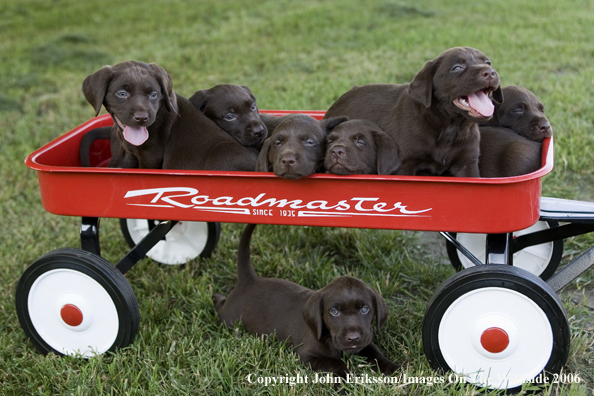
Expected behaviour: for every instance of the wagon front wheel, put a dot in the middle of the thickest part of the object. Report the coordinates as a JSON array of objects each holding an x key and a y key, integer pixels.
[
  {"x": 72, "y": 302},
  {"x": 496, "y": 326},
  {"x": 185, "y": 241}
]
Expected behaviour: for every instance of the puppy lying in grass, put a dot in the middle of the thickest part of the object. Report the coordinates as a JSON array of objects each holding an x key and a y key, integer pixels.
[{"x": 321, "y": 325}]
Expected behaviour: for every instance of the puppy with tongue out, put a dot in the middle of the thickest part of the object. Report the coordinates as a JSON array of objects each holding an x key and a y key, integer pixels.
[
  {"x": 434, "y": 119},
  {"x": 140, "y": 99},
  {"x": 154, "y": 127}
]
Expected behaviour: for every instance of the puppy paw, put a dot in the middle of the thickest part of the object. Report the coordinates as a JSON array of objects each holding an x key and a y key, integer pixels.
[{"x": 387, "y": 367}]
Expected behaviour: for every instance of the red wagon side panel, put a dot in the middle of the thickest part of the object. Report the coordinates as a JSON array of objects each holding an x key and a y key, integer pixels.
[{"x": 362, "y": 201}]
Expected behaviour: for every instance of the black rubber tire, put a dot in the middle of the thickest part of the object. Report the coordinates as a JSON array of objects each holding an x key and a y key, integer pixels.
[
  {"x": 95, "y": 267},
  {"x": 214, "y": 233},
  {"x": 549, "y": 270},
  {"x": 497, "y": 276}
]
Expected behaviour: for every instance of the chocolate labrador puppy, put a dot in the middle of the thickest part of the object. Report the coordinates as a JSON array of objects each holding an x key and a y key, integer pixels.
[
  {"x": 233, "y": 108},
  {"x": 154, "y": 127},
  {"x": 360, "y": 147},
  {"x": 321, "y": 325},
  {"x": 523, "y": 113},
  {"x": 504, "y": 153},
  {"x": 434, "y": 119},
  {"x": 140, "y": 99},
  {"x": 511, "y": 141},
  {"x": 296, "y": 147}
]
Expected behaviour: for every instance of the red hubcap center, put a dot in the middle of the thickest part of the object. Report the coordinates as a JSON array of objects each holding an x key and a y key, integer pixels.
[
  {"x": 494, "y": 340},
  {"x": 71, "y": 315}
]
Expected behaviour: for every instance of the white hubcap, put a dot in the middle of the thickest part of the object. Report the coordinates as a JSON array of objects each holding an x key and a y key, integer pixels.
[
  {"x": 185, "y": 241},
  {"x": 495, "y": 337},
  {"x": 73, "y": 313}
]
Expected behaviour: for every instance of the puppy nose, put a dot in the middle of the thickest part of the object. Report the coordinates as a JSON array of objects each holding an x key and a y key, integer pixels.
[
  {"x": 338, "y": 151},
  {"x": 288, "y": 161},
  {"x": 544, "y": 125},
  {"x": 258, "y": 131},
  {"x": 140, "y": 117},
  {"x": 353, "y": 336},
  {"x": 488, "y": 73}
]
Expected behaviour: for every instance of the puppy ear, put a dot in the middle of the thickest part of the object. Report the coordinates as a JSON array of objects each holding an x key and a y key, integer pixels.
[
  {"x": 199, "y": 99},
  {"x": 498, "y": 95},
  {"x": 263, "y": 163},
  {"x": 330, "y": 123},
  {"x": 387, "y": 153},
  {"x": 313, "y": 313},
  {"x": 95, "y": 87},
  {"x": 381, "y": 309},
  {"x": 164, "y": 80},
  {"x": 421, "y": 87}
]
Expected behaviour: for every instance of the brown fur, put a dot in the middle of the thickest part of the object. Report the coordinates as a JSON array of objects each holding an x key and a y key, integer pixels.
[
  {"x": 296, "y": 148},
  {"x": 137, "y": 94},
  {"x": 360, "y": 147},
  {"x": 523, "y": 113},
  {"x": 234, "y": 109},
  {"x": 434, "y": 135},
  {"x": 306, "y": 318},
  {"x": 504, "y": 153}
]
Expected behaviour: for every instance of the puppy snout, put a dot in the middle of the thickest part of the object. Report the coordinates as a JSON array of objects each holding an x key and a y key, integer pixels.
[
  {"x": 489, "y": 73},
  {"x": 141, "y": 117},
  {"x": 337, "y": 152},
  {"x": 544, "y": 126},
  {"x": 288, "y": 161},
  {"x": 353, "y": 336},
  {"x": 258, "y": 131}
]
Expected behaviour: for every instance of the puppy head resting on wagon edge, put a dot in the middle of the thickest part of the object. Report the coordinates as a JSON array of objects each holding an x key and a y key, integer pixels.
[
  {"x": 297, "y": 146},
  {"x": 134, "y": 93}
]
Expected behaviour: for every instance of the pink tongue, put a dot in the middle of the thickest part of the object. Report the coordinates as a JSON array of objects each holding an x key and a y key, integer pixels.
[
  {"x": 480, "y": 102},
  {"x": 135, "y": 135}
]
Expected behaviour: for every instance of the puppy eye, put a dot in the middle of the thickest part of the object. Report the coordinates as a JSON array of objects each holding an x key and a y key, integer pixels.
[
  {"x": 328, "y": 141},
  {"x": 518, "y": 110},
  {"x": 154, "y": 95},
  {"x": 277, "y": 142},
  {"x": 334, "y": 312},
  {"x": 488, "y": 62},
  {"x": 457, "y": 68},
  {"x": 122, "y": 93},
  {"x": 360, "y": 142},
  {"x": 254, "y": 107},
  {"x": 364, "y": 309},
  {"x": 230, "y": 117},
  {"x": 309, "y": 142}
]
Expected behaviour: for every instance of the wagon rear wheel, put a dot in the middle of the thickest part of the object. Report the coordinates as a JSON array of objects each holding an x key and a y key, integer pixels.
[
  {"x": 72, "y": 302},
  {"x": 542, "y": 260},
  {"x": 186, "y": 240},
  {"x": 496, "y": 326}
]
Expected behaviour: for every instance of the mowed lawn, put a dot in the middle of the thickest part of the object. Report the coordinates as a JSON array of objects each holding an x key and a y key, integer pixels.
[{"x": 293, "y": 55}]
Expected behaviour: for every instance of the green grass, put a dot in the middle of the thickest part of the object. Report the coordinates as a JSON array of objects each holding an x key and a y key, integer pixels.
[{"x": 293, "y": 55}]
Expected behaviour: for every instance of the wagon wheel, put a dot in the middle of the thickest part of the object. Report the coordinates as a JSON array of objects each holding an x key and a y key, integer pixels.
[
  {"x": 186, "y": 240},
  {"x": 541, "y": 260},
  {"x": 497, "y": 326},
  {"x": 72, "y": 302}
]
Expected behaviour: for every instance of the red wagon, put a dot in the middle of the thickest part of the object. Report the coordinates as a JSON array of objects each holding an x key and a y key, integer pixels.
[{"x": 497, "y": 325}]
